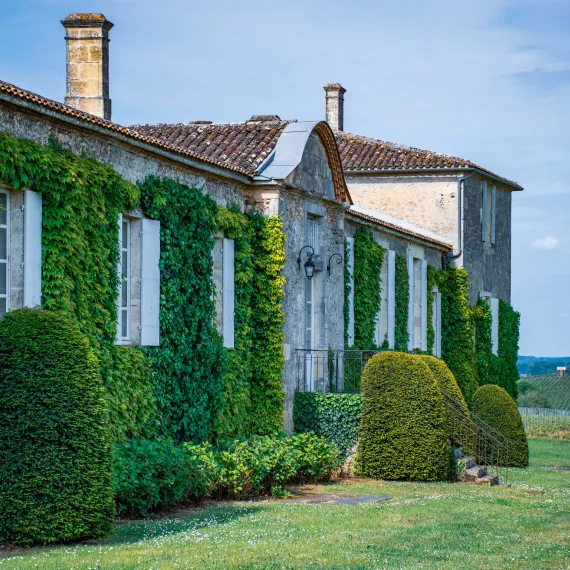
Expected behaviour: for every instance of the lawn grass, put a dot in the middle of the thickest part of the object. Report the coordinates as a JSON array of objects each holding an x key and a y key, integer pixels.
[{"x": 435, "y": 525}]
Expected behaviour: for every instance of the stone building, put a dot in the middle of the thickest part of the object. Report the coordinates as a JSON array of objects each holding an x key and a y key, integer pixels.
[
  {"x": 450, "y": 198},
  {"x": 287, "y": 168}
]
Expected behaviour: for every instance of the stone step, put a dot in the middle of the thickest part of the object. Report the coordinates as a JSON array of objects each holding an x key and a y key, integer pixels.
[
  {"x": 488, "y": 480},
  {"x": 469, "y": 463},
  {"x": 474, "y": 473}
]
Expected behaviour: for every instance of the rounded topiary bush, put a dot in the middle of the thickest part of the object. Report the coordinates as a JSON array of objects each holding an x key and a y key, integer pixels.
[
  {"x": 55, "y": 453},
  {"x": 494, "y": 405},
  {"x": 403, "y": 427},
  {"x": 444, "y": 379}
]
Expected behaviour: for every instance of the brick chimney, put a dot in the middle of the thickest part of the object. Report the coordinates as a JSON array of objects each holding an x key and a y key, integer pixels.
[
  {"x": 87, "y": 42},
  {"x": 335, "y": 105}
]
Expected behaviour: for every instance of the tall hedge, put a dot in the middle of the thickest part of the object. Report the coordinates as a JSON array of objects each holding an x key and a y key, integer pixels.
[
  {"x": 494, "y": 405},
  {"x": 403, "y": 427},
  {"x": 55, "y": 452},
  {"x": 333, "y": 416},
  {"x": 444, "y": 378}
]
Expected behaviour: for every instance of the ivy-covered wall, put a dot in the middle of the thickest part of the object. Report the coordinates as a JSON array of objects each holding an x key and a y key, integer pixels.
[
  {"x": 189, "y": 387},
  {"x": 267, "y": 318},
  {"x": 402, "y": 295},
  {"x": 82, "y": 200},
  {"x": 190, "y": 363},
  {"x": 368, "y": 259},
  {"x": 457, "y": 348}
]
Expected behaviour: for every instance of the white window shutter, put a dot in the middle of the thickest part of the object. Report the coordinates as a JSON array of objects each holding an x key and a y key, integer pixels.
[
  {"x": 424, "y": 301},
  {"x": 391, "y": 298},
  {"x": 350, "y": 260},
  {"x": 32, "y": 249},
  {"x": 228, "y": 293},
  {"x": 484, "y": 211},
  {"x": 410, "y": 260},
  {"x": 495, "y": 325},
  {"x": 150, "y": 283},
  {"x": 493, "y": 212}
]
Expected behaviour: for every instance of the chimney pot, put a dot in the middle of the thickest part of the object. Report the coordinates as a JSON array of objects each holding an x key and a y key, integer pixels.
[
  {"x": 87, "y": 43},
  {"x": 335, "y": 105}
]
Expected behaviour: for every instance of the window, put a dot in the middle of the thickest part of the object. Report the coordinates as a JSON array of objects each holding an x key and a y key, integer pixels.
[
  {"x": 488, "y": 212},
  {"x": 125, "y": 280},
  {"x": 382, "y": 317},
  {"x": 417, "y": 309},
  {"x": 4, "y": 252},
  {"x": 313, "y": 230},
  {"x": 224, "y": 280}
]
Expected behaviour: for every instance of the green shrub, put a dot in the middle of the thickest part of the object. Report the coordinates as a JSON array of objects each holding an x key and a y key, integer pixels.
[
  {"x": 525, "y": 386},
  {"x": 403, "y": 428},
  {"x": 493, "y": 405},
  {"x": 55, "y": 450},
  {"x": 444, "y": 378},
  {"x": 149, "y": 475},
  {"x": 335, "y": 417},
  {"x": 263, "y": 463}
]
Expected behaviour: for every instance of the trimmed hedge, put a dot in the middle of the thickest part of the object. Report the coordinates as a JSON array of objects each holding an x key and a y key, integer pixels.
[
  {"x": 494, "y": 405},
  {"x": 404, "y": 426},
  {"x": 333, "y": 416},
  {"x": 444, "y": 378},
  {"x": 55, "y": 447}
]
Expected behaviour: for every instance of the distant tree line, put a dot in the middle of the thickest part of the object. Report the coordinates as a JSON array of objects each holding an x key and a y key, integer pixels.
[{"x": 538, "y": 365}]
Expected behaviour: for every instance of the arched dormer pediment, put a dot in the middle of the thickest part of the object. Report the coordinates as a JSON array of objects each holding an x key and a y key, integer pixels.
[{"x": 306, "y": 155}]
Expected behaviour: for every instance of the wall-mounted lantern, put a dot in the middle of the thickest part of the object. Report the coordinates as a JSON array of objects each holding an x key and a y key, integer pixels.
[
  {"x": 329, "y": 262},
  {"x": 309, "y": 264}
]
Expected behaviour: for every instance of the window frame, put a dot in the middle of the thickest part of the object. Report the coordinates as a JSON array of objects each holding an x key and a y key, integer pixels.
[{"x": 124, "y": 339}]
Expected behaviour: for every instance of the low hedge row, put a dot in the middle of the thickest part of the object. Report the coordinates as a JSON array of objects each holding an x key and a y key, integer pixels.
[
  {"x": 335, "y": 417},
  {"x": 150, "y": 475}
]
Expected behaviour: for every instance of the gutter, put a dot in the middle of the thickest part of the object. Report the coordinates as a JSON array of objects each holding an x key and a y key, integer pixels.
[
  {"x": 460, "y": 190},
  {"x": 455, "y": 169}
]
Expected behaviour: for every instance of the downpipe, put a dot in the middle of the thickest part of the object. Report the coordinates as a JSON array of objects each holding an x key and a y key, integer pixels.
[{"x": 460, "y": 190}]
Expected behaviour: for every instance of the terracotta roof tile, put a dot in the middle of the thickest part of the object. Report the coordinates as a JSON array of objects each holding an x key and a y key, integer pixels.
[
  {"x": 363, "y": 153},
  {"x": 239, "y": 145}
]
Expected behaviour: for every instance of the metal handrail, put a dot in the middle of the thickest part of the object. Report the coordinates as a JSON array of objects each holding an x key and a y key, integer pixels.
[{"x": 477, "y": 439}]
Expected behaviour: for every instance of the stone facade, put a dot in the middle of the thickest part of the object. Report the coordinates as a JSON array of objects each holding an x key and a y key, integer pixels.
[{"x": 430, "y": 201}]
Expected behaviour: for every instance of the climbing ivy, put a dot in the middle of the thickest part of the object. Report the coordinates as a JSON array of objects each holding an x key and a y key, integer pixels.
[
  {"x": 234, "y": 417},
  {"x": 190, "y": 363},
  {"x": 457, "y": 329},
  {"x": 347, "y": 292},
  {"x": 368, "y": 259},
  {"x": 267, "y": 320},
  {"x": 509, "y": 324},
  {"x": 431, "y": 283},
  {"x": 402, "y": 301},
  {"x": 487, "y": 365},
  {"x": 82, "y": 200}
]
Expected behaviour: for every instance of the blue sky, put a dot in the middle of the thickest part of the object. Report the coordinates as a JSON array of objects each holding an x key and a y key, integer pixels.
[{"x": 487, "y": 80}]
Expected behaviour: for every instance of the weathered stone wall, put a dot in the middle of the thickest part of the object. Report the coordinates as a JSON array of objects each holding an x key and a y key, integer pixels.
[
  {"x": 427, "y": 201},
  {"x": 488, "y": 265},
  {"x": 399, "y": 244},
  {"x": 133, "y": 163}
]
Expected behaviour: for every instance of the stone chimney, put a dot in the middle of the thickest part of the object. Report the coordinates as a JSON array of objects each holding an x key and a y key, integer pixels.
[
  {"x": 87, "y": 42},
  {"x": 335, "y": 105}
]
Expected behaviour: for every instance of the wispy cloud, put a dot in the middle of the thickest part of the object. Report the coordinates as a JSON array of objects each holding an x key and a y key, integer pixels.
[{"x": 546, "y": 243}]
